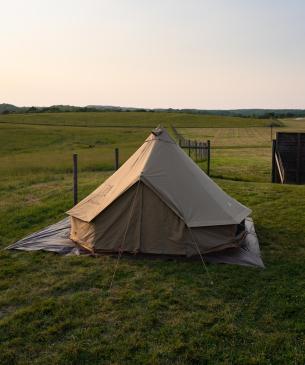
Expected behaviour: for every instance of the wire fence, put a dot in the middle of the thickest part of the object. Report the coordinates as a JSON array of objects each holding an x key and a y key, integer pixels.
[{"x": 197, "y": 150}]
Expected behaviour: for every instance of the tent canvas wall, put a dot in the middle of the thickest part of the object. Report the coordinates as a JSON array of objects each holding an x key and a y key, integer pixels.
[{"x": 159, "y": 202}]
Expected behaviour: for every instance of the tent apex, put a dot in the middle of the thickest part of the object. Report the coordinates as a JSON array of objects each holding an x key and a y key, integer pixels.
[
  {"x": 158, "y": 130},
  {"x": 159, "y": 133}
]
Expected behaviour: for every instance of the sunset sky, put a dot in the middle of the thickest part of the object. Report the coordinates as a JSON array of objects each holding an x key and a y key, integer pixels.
[{"x": 160, "y": 53}]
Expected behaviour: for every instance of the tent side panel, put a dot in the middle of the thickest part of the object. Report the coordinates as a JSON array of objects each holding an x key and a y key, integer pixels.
[
  {"x": 162, "y": 231},
  {"x": 139, "y": 221},
  {"x": 118, "y": 226},
  {"x": 184, "y": 186},
  {"x": 212, "y": 239}
]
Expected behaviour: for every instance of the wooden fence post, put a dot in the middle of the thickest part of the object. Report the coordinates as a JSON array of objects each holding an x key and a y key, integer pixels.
[
  {"x": 75, "y": 181},
  {"x": 189, "y": 143},
  {"x": 273, "y": 161},
  {"x": 196, "y": 152},
  {"x": 299, "y": 165},
  {"x": 116, "y": 158},
  {"x": 209, "y": 158},
  {"x": 200, "y": 157}
]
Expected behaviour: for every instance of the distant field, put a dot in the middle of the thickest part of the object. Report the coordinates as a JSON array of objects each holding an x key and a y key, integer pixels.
[
  {"x": 129, "y": 119},
  {"x": 294, "y": 124},
  {"x": 242, "y": 153},
  {"x": 44, "y": 143},
  {"x": 59, "y": 310},
  {"x": 28, "y": 149},
  {"x": 242, "y": 137},
  {"x": 231, "y": 137}
]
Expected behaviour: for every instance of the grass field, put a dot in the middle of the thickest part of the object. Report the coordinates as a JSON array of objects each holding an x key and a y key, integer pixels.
[
  {"x": 139, "y": 119},
  {"x": 59, "y": 309}
]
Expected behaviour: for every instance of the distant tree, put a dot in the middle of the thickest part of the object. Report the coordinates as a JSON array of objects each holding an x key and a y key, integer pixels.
[{"x": 32, "y": 109}]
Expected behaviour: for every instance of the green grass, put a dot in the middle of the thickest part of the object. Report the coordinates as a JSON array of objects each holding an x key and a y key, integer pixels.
[
  {"x": 128, "y": 119},
  {"x": 60, "y": 310}
]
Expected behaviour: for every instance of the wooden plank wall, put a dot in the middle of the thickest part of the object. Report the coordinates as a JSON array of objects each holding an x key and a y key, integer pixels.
[{"x": 291, "y": 148}]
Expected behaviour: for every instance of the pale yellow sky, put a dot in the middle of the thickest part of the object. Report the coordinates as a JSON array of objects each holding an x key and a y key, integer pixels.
[{"x": 182, "y": 53}]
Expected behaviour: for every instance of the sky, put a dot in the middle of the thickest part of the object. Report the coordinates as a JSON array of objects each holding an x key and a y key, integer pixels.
[{"x": 208, "y": 54}]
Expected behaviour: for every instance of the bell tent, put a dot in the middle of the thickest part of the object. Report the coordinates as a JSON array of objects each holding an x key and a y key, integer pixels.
[{"x": 159, "y": 202}]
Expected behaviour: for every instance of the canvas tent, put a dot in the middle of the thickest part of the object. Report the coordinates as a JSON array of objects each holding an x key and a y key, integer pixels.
[{"x": 158, "y": 202}]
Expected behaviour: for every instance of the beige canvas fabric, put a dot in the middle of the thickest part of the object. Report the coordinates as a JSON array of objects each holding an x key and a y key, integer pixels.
[
  {"x": 114, "y": 186},
  {"x": 158, "y": 202},
  {"x": 188, "y": 190},
  {"x": 177, "y": 180},
  {"x": 139, "y": 221},
  {"x": 162, "y": 231},
  {"x": 119, "y": 223}
]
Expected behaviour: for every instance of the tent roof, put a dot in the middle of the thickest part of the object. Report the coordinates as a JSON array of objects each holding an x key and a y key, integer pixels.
[{"x": 162, "y": 165}]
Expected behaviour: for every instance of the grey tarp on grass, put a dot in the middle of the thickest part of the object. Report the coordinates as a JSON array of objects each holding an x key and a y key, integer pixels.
[{"x": 55, "y": 238}]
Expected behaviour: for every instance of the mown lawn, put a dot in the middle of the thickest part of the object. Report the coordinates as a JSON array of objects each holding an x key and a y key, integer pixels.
[{"x": 60, "y": 309}]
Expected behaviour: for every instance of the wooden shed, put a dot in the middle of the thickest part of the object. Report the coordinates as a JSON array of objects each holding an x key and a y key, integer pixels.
[{"x": 288, "y": 158}]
